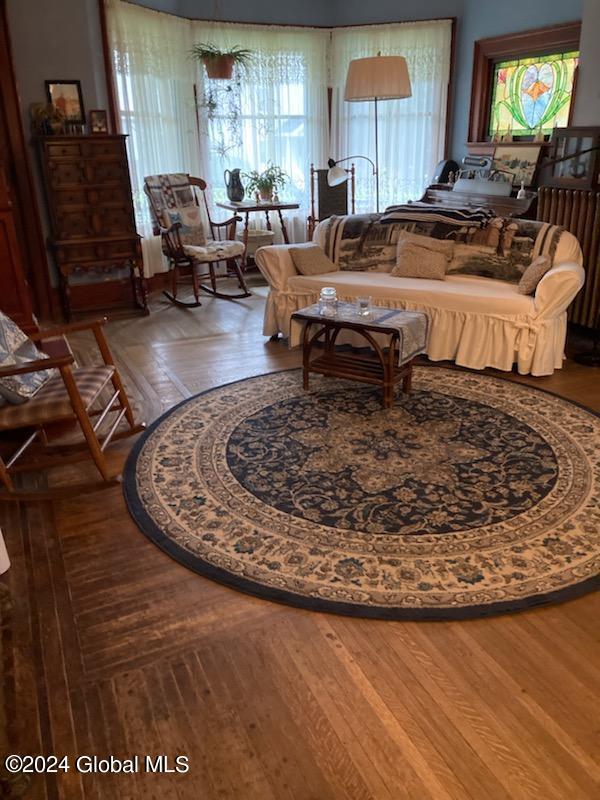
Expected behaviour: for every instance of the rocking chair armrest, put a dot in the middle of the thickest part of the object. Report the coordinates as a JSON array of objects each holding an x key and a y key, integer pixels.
[
  {"x": 226, "y": 222},
  {"x": 60, "y": 330},
  {"x": 94, "y": 325},
  {"x": 171, "y": 229},
  {"x": 37, "y": 365}
]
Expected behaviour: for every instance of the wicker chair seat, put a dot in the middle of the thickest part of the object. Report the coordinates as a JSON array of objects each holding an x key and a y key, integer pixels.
[{"x": 52, "y": 401}]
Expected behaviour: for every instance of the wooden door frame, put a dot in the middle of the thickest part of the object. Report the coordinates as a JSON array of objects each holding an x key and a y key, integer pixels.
[{"x": 36, "y": 269}]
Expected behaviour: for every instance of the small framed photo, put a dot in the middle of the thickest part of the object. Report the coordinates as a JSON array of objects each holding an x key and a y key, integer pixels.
[
  {"x": 518, "y": 160},
  {"x": 66, "y": 97},
  {"x": 98, "y": 121}
]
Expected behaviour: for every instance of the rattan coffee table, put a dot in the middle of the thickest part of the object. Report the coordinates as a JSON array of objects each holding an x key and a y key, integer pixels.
[{"x": 387, "y": 365}]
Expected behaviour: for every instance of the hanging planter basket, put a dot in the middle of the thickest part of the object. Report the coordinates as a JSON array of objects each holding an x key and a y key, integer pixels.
[
  {"x": 219, "y": 63},
  {"x": 219, "y": 67}
]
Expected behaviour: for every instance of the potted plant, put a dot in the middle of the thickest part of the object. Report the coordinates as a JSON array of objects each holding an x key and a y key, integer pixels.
[
  {"x": 47, "y": 119},
  {"x": 266, "y": 182},
  {"x": 219, "y": 63}
]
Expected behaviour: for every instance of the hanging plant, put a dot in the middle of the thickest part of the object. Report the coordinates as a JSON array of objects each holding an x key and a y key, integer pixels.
[{"x": 219, "y": 64}]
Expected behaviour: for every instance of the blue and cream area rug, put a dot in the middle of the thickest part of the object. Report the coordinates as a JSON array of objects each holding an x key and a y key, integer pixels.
[{"x": 473, "y": 495}]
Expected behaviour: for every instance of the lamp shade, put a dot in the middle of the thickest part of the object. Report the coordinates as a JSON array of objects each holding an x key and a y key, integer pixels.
[
  {"x": 381, "y": 77},
  {"x": 336, "y": 175}
]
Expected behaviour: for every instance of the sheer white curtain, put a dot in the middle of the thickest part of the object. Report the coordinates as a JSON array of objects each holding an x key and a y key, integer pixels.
[
  {"x": 154, "y": 77},
  {"x": 411, "y": 131},
  {"x": 279, "y": 106},
  {"x": 276, "y": 113}
]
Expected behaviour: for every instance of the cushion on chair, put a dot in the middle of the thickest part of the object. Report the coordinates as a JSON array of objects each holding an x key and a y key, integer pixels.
[
  {"x": 52, "y": 401},
  {"x": 214, "y": 251},
  {"x": 17, "y": 349},
  {"x": 191, "y": 229}
]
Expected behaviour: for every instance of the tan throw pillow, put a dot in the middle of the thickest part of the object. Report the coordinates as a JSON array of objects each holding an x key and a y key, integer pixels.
[
  {"x": 310, "y": 259},
  {"x": 533, "y": 275},
  {"x": 419, "y": 262},
  {"x": 443, "y": 246}
]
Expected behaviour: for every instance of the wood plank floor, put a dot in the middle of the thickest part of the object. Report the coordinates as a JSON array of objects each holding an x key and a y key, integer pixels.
[{"x": 116, "y": 649}]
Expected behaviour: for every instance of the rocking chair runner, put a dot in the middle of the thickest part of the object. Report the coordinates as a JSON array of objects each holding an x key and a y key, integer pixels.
[
  {"x": 169, "y": 196},
  {"x": 67, "y": 396}
]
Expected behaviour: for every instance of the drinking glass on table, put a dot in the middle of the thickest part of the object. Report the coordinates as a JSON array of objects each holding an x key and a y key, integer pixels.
[{"x": 363, "y": 306}]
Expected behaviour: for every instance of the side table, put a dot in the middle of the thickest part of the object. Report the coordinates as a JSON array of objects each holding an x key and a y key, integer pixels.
[
  {"x": 248, "y": 208},
  {"x": 407, "y": 337}
]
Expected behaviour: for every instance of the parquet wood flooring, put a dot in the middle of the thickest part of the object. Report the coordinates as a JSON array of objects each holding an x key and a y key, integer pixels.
[{"x": 116, "y": 649}]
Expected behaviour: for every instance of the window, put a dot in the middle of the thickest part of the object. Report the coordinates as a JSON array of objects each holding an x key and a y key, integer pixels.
[
  {"x": 181, "y": 121},
  {"x": 411, "y": 131},
  {"x": 532, "y": 95},
  {"x": 274, "y": 112}
]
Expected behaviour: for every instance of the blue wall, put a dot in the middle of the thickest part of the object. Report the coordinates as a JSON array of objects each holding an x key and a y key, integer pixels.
[{"x": 483, "y": 18}]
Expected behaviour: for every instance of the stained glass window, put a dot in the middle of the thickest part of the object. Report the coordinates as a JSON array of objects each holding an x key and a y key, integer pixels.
[{"x": 532, "y": 95}]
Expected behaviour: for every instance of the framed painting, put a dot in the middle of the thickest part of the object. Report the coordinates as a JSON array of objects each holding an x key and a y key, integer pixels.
[
  {"x": 520, "y": 161},
  {"x": 67, "y": 98}
]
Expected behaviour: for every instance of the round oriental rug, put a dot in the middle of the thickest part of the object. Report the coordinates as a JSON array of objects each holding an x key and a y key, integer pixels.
[{"x": 473, "y": 495}]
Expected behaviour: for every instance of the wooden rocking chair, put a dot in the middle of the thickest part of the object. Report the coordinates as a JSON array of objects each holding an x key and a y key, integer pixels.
[
  {"x": 187, "y": 258},
  {"x": 66, "y": 397}
]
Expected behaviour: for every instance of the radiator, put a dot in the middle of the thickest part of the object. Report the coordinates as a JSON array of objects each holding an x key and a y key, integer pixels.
[{"x": 579, "y": 212}]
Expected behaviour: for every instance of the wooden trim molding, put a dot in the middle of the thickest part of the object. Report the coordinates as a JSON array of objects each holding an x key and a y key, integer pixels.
[
  {"x": 108, "y": 71},
  {"x": 20, "y": 177},
  {"x": 488, "y": 51}
]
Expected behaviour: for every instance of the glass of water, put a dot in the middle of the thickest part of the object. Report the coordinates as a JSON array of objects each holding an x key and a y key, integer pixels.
[{"x": 363, "y": 306}]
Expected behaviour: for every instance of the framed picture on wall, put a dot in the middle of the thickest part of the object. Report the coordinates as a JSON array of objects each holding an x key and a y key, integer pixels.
[
  {"x": 98, "y": 121},
  {"x": 67, "y": 98}
]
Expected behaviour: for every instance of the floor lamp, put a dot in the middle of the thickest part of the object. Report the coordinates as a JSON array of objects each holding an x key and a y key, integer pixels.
[{"x": 377, "y": 78}]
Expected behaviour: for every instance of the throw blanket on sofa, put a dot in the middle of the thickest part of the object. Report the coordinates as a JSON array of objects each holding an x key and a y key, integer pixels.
[
  {"x": 361, "y": 243},
  {"x": 426, "y": 212}
]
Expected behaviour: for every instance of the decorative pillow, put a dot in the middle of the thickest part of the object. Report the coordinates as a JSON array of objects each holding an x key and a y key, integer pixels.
[
  {"x": 443, "y": 246},
  {"x": 419, "y": 262},
  {"x": 191, "y": 230},
  {"x": 533, "y": 275},
  {"x": 310, "y": 259},
  {"x": 16, "y": 349}
]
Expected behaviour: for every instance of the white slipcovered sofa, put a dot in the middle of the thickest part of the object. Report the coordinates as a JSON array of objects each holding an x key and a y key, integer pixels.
[{"x": 476, "y": 322}]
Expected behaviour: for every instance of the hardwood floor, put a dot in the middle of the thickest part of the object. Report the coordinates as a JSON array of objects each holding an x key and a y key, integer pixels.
[{"x": 116, "y": 649}]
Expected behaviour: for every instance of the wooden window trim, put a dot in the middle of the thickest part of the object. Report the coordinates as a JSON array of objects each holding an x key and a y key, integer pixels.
[{"x": 515, "y": 45}]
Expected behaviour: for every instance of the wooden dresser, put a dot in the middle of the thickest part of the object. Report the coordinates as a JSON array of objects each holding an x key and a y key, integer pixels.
[{"x": 91, "y": 213}]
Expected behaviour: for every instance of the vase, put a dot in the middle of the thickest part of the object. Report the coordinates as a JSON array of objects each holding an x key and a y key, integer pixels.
[
  {"x": 233, "y": 184},
  {"x": 266, "y": 195}
]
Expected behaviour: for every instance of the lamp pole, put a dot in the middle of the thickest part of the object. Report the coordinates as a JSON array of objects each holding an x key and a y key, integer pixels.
[{"x": 376, "y": 161}]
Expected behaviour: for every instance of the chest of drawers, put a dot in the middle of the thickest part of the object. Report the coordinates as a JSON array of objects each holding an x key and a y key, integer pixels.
[{"x": 91, "y": 211}]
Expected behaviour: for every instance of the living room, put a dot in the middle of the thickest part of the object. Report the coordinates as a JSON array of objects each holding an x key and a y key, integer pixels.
[{"x": 299, "y": 399}]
